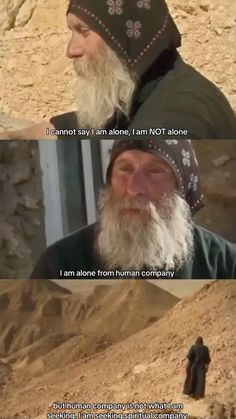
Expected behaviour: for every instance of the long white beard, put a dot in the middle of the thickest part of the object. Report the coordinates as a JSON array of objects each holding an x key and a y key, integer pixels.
[
  {"x": 104, "y": 85},
  {"x": 161, "y": 237}
]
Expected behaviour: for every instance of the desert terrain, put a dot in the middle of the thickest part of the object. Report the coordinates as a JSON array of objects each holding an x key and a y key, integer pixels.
[{"x": 119, "y": 343}]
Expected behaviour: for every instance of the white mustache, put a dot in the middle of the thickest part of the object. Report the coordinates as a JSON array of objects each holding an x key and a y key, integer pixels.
[
  {"x": 145, "y": 206},
  {"x": 143, "y": 210},
  {"x": 79, "y": 66}
]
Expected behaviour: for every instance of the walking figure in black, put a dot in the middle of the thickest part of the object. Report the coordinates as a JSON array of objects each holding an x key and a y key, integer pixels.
[{"x": 197, "y": 367}]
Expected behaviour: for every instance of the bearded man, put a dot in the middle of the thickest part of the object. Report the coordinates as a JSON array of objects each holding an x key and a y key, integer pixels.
[
  {"x": 144, "y": 220},
  {"x": 131, "y": 77}
]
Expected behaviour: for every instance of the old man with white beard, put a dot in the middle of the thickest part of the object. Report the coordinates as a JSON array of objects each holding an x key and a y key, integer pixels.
[
  {"x": 144, "y": 222},
  {"x": 130, "y": 76}
]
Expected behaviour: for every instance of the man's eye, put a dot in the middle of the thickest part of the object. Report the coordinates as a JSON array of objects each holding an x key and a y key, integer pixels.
[
  {"x": 125, "y": 168},
  {"x": 84, "y": 31},
  {"x": 156, "y": 171}
]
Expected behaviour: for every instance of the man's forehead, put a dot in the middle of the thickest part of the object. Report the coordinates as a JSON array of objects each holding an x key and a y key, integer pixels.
[
  {"x": 73, "y": 21},
  {"x": 141, "y": 156}
]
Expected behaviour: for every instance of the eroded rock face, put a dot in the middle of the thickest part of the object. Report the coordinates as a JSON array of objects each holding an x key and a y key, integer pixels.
[
  {"x": 209, "y": 408},
  {"x": 217, "y": 160},
  {"x": 5, "y": 376},
  {"x": 221, "y": 411},
  {"x": 21, "y": 210},
  {"x": 15, "y": 13}
]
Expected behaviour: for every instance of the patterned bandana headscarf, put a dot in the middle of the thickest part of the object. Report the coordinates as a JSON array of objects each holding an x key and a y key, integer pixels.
[
  {"x": 181, "y": 157},
  {"x": 137, "y": 30}
]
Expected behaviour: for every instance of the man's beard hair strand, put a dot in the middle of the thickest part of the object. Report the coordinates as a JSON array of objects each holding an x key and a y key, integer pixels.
[
  {"x": 104, "y": 85},
  {"x": 159, "y": 238}
]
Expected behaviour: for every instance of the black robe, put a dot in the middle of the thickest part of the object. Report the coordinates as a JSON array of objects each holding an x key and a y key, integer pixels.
[
  {"x": 198, "y": 359},
  {"x": 214, "y": 257}
]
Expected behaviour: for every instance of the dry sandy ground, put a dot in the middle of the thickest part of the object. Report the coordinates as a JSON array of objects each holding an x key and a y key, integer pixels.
[
  {"x": 147, "y": 366},
  {"x": 37, "y": 80}
]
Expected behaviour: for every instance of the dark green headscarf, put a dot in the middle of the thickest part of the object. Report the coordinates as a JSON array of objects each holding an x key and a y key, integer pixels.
[{"x": 137, "y": 30}]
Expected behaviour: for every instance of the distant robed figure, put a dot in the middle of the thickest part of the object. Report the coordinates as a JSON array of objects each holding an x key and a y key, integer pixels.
[{"x": 197, "y": 367}]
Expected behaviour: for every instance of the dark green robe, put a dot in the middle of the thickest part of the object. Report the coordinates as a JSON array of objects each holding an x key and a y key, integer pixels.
[
  {"x": 180, "y": 98},
  {"x": 214, "y": 257}
]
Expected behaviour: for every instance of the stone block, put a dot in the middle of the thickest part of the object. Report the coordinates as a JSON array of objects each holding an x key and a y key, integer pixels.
[
  {"x": 9, "y": 199},
  {"x": 14, "y": 151},
  {"x": 218, "y": 187},
  {"x": 20, "y": 172},
  {"x": 29, "y": 203}
]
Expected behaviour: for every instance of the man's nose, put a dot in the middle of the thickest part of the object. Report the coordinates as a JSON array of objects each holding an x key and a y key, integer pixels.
[
  {"x": 136, "y": 185},
  {"x": 75, "y": 48}
]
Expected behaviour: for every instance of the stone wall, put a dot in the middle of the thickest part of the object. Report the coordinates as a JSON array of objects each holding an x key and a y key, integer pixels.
[
  {"x": 217, "y": 161},
  {"x": 21, "y": 208}
]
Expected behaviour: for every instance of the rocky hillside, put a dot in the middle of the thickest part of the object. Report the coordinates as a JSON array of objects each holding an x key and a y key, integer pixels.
[
  {"x": 148, "y": 366},
  {"x": 38, "y": 316}
]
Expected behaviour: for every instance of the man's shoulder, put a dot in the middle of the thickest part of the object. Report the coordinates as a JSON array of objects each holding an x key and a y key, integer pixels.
[
  {"x": 68, "y": 254},
  {"x": 205, "y": 347},
  {"x": 83, "y": 236},
  {"x": 186, "y": 100},
  {"x": 185, "y": 81},
  {"x": 186, "y": 78},
  {"x": 213, "y": 239},
  {"x": 213, "y": 257}
]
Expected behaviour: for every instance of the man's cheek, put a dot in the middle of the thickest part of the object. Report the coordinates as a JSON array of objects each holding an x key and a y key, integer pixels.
[{"x": 118, "y": 188}]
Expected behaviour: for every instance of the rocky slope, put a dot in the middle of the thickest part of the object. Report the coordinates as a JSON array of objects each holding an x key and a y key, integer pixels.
[
  {"x": 40, "y": 316},
  {"x": 148, "y": 366}
]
